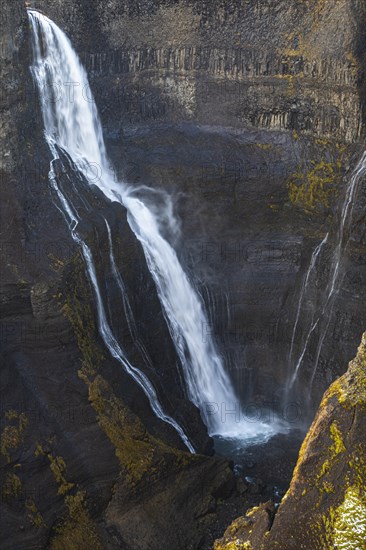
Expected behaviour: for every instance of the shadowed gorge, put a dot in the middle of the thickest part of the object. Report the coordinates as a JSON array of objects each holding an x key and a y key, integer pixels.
[{"x": 183, "y": 280}]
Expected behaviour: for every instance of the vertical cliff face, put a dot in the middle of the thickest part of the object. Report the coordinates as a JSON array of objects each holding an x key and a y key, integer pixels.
[
  {"x": 262, "y": 64},
  {"x": 13, "y": 114},
  {"x": 252, "y": 115}
]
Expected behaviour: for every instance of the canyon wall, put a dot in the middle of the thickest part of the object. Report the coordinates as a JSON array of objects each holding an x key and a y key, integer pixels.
[
  {"x": 78, "y": 437},
  {"x": 251, "y": 115},
  {"x": 260, "y": 63}
]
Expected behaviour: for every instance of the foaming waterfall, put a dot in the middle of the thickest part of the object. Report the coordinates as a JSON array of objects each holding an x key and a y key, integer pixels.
[
  {"x": 74, "y": 125},
  {"x": 322, "y": 317},
  {"x": 208, "y": 384},
  {"x": 50, "y": 71}
]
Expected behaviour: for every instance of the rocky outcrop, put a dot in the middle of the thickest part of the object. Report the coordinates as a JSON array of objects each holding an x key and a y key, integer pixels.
[
  {"x": 179, "y": 500},
  {"x": 325, "y": 506},
  {"x": 247, "y": 532}
]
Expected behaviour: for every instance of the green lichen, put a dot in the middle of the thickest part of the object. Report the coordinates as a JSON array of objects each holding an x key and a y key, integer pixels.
[
  {"x": 12, "y": 435},
  {"x": 137, "y": 451},
  {"x": 76, "y": 530},
  {"x": 11, "y": 486},
  {"x": 34, "y": 515}
]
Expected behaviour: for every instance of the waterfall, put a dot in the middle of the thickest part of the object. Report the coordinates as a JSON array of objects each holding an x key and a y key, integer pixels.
[
  {"x": 325, "y": 309},
  {"x": 75, "y": 128},
  {"x": 72, "y": 123},
  {"x": 346, "y": 217},
  {"x": 304, "y": 294}
]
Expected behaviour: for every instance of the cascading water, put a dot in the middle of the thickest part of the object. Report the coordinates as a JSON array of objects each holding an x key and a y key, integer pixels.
[
  {"x": 300, "y": 310},
  {"x": 80, "y": 143},
  {"x": 325, "y": 310},
  {"x": 72, "y": 123}
]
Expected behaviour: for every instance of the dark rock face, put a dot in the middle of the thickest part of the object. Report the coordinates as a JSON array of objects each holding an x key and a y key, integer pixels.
[
  {"x": 263, "y": 64},
  {"x": 250, "y": 528},
  {"x": 84, "y": 459},
  {"x": 72, "y": 422},
  {"x": 158, "y": 504},
  {"x": 251, "y": 115}
]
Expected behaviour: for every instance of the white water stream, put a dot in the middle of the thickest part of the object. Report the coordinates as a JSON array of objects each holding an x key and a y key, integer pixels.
[{"x": 72, "y": 123}]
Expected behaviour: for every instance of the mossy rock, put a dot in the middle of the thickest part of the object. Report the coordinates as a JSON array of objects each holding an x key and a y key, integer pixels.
[{"x": 325, "y": 506}]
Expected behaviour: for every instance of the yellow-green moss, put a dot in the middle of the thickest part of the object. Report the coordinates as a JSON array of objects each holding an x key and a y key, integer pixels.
[
  {"x": 234, "y": 534},
  {"x": 313, "y": 190},
  {"x": 76, "y": 306},
  {"x": 34, "y": 515},
  {"x": 332, "y": 453},
  {"x": 331, "y": 471},
  {"x": 345, "y": 526},
  {"x": 11, "y": 487},
  {"x": 338, "y": 445},
  {"x": 12, "y": 434},
  {"x": 264, "y": 146},
  {"x": 328, "y": 487},
  {"x": 315, "y": 185},
  {"x": 76, "y": 530},
  {"x": 355, "y": 391},
  {"x": 234, "y": 545},
  {"x": 350, "y": 389},
  {"x": 58, "y": 468},
  {"x": 136, "y": 450},
  {"x": 133, "y": 448},
  {"x": 350, "y": 521}
]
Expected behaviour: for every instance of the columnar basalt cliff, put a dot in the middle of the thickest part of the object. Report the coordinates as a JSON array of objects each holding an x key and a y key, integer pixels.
[
  {"x": 258, "y": 63},
  {"x": 252, "y": 115}
]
